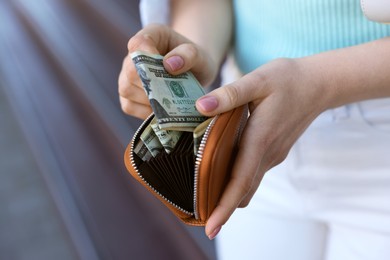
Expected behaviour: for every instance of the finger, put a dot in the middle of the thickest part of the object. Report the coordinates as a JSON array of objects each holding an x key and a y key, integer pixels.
[
  {"x": 131, "y": 91},
  {"x": 248, "y": 197},
  {"x": 129, "y": 83},
  {"x": 157, "y": 39},
  {"x": 147, "y": 39},
  {"x": 128, "y": 75},
  {"x": 180, "y": 53},
  {"x": 275, "y": 148},
  {"x": 135, "y": 109},
  {"x": 275, "y": 154},
  {"x": 240, "y": 184},
  {"x": 187, "y": 57},
  {"x": 230, "y": 96},
  {"x": 267, "y": 162}
]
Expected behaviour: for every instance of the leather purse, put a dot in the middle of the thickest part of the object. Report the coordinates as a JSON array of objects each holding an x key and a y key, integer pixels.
[{"x": 189, "y": 184}]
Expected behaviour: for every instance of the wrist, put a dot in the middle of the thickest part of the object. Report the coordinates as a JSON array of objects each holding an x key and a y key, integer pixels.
[
  {"x": 350, "y": 74},
  {"x": 312, "y": 85}
]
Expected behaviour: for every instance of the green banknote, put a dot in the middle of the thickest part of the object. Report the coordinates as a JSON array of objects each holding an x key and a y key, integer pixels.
[{"x": 172, "y": 98}]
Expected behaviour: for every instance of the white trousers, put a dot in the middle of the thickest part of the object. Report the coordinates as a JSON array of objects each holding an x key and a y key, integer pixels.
[{"x": 329, "y": 200}]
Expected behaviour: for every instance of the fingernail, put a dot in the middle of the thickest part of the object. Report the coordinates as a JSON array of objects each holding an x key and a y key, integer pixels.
[
  {"x": 175, "y": 62},
  {"x": 207, "y": 103},
  {"x": 214, "y": 233}
]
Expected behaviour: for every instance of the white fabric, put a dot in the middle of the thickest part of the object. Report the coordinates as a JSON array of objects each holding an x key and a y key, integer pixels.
[
  {"x": 376, "y": 10},
  {"x": 329, "y": 200},
  {"x": 154, "y": 11},
  {"x": 230, "y": 71}
]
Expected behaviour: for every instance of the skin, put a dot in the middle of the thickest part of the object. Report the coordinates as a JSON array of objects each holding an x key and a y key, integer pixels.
[{"x": 284, "y": 96}]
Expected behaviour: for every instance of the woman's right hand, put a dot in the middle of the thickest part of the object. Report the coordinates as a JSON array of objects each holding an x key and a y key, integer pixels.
[{"x": 180, "y": 55}]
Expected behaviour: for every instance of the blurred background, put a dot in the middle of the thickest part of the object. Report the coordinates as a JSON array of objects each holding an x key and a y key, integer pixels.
[{"x": 64, "y": 191}]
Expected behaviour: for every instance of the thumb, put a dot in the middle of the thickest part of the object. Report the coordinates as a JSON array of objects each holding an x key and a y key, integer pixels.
[
  {"x": 189, "y": 56},
  {"x": 224, "y": 99}
]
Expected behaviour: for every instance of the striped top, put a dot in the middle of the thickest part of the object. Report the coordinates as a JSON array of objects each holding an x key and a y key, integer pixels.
[{"x": 265, "y": 30}]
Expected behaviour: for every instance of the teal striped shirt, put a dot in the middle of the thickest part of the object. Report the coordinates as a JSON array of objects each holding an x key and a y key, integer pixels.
[{"x": 269, "y": 29}]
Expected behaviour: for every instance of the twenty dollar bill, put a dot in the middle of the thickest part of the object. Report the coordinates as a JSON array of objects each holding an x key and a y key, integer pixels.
[{"x": 172, "y": 98}]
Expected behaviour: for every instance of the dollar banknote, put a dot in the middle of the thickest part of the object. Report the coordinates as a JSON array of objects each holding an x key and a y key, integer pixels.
[
  {"x": 142, "y": 151},
  {"x": 172, "y": 98},
  {"x": 168, "y": 138},
  {"x": 149, "y": 146},
  {"x": 151, "y": 141}
]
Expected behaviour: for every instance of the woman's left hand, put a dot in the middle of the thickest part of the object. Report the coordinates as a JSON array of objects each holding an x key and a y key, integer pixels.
[{"x": 283, "y": 100}]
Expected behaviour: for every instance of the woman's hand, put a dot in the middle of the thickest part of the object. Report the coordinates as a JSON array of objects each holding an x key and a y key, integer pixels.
[
  {"x": 283, "y": 100},
  {"x": 180, "y": 55},
  {"x": 284, "y": 97}
]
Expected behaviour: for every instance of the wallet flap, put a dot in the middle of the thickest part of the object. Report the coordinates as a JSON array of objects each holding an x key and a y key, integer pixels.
[{"x": 218, "y": 158}]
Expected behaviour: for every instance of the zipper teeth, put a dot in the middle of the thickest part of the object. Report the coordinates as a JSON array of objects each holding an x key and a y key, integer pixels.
[
  {"x": 132, "y": 161},
  {"x": 198, "y": 161}
]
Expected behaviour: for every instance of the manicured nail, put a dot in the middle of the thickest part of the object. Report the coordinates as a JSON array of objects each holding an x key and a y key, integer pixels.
[
  {"x": 207, "y": 103},
  {"x": 214, "y": 233},
  {"x": 175, "y": 62}
]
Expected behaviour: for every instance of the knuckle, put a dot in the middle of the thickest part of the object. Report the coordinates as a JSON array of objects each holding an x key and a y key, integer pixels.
[
  {"x": 261, "y": 79},
  {"x": 128, "y": 65},
  {"x": 127, "y": 107},
  {"x": 134, "y": 109},
  {"x": 273, "y": 157},
  {"x": 139, "y": 40},
  {"x": 121, "y": 81},
  {"x": 135, "y": 42},
  {"x": 124, "y": 87},
  {"x": 284, "y": 62},
  {"x": 191, "y": 50},
  {"x": 145, "y": 114},
  {"x": 232, "y": 94},
  {"x": 147, "y": 36},
  {"x": 124, "y": 91},
  {"x": 127, "y": 82},
  {"x": 279, "y": 158},
  {"x": 244, "y": 204},
  {"x": 245, "y": 185}
]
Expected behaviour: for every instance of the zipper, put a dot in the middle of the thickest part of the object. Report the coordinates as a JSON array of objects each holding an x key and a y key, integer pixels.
[{"x": 198, "y": 161}]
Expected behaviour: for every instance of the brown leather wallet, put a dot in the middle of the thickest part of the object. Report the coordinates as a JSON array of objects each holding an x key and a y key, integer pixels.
[{"x": 189, "y": 184}]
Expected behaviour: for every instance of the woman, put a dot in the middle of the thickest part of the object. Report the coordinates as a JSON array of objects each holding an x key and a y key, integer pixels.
[{"x": 317, "y": 81}]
